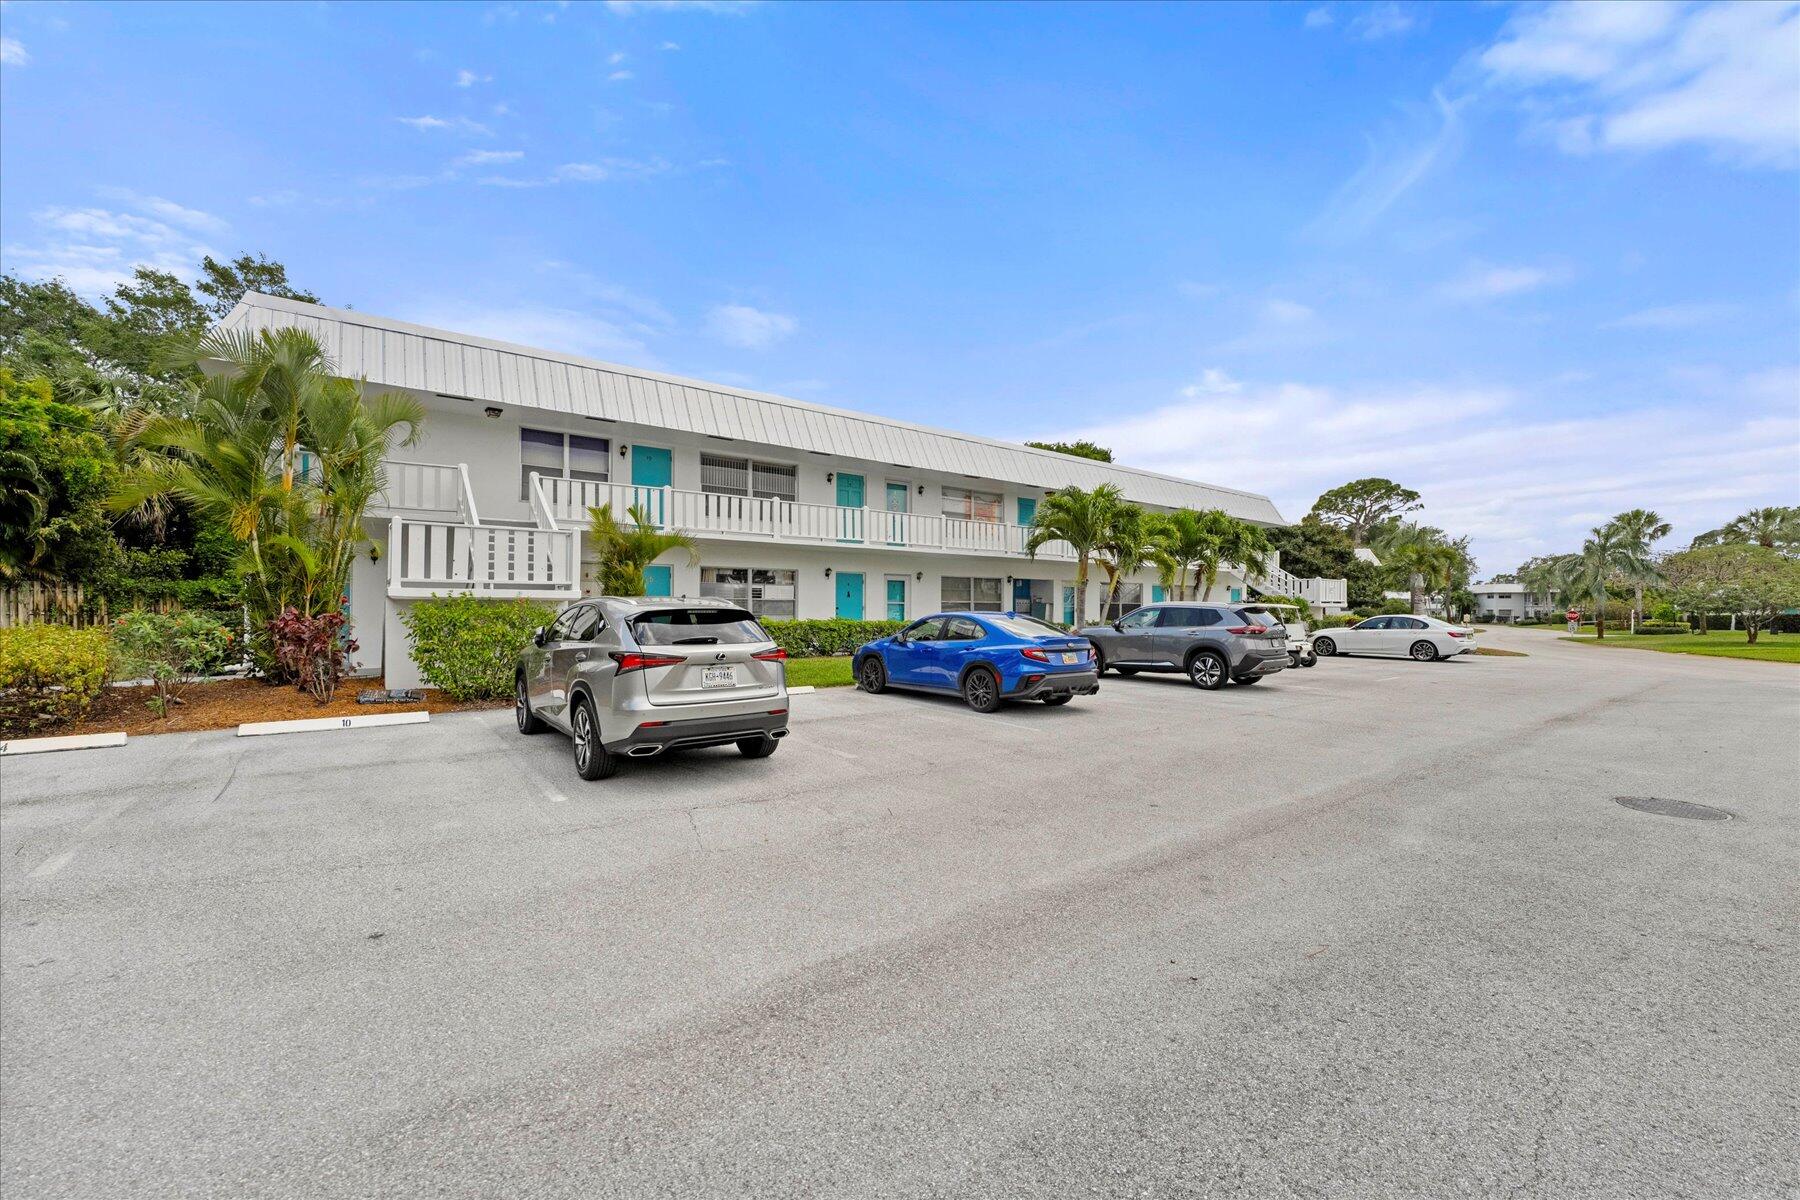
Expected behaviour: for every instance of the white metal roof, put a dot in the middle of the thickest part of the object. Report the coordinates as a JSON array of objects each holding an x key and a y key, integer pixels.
[{"x": 399, "y": 354}]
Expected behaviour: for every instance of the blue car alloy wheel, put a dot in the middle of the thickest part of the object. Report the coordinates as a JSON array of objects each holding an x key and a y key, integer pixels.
[{"x": 987, "y": 658}]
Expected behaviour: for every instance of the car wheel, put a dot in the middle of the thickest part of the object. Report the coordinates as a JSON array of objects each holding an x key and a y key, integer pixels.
[
  {"x": 1059, "y": 698},
  {"x": 1293, "y": 658},
  {"x": 757, "y": 747},
  {"x": 591, "y": 759},
  {"x": 873, "y": 676},
  {"x": 1207, "y": 670},
  {"x": 1309, "y": 660},
  {"x": 1324, "y": 647},
  {"x": 528, "y": 722},
  {"x": 1099, "y": 662},
  {"x": 982, "y": 690},
  {"x": 1424, "y": 651}
]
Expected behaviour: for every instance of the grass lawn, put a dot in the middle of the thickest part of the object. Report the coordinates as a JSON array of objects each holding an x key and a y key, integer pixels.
[
  {"x": 1717, "y": 644},
  {"x": 819, "y": 672}
]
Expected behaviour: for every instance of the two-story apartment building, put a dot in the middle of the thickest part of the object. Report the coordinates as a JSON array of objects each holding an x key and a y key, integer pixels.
[
  {"x": 799, "y": 510},
  {"x": 1504, "y": 602}
]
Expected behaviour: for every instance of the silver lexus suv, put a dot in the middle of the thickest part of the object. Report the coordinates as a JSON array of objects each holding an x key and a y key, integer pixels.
[
  {"x": 633, "y": 677},
  {"x": 1209, "y": 643}
]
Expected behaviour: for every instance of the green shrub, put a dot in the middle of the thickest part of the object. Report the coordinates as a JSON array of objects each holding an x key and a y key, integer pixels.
[
  {"x": 469, "y": 648},
  {"x": 49, "y": 675},
  {"x": 170, "y": 649},
  {"x": 1664, "y": 612},
  {"x": 1336, "y": 621},
  {"x": 1394, "y": 608},
  {"x": 1654, "y": 628},
  {"x": 814, "y": 639}
]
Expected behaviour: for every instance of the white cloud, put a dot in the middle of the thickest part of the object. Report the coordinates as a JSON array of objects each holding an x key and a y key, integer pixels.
[
  {"x": 1317, "y": 18},
  {"x": 619, "y": 76},
  {"x": 1397, "y": 161},
  {"x": 459, "y": 124},
  {"x": 488, "y": 158},
  {"x": 1381, "y": 21},
  {"x": 670, "y": 46},
  {"x": 749, "y": 328},
  {"x": 95, "y": 249},
  {"x": 466, "y": 78},
  {"x": 1488, "y": 461},
  {"x": 1649, "y": 76},
  {"x": 1286, "y": 312},
  {"x": 1491, "y": 283},
  {"x": 13, "y": 52},
  {"x": 1675, "y": 316},
  {"x": 615, "y": 58}
]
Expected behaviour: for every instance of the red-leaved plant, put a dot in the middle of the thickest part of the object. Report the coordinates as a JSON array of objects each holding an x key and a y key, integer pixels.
[{"x": 314, "y": 649}]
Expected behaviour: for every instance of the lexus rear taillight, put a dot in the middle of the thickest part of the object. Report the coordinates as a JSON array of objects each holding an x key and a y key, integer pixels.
[
  {"x": 1032, "y": 652},
  {"x": 775, "y": 655},
  {"x": 631, "y": 660},
  {"x": 1248, "y": 630}
]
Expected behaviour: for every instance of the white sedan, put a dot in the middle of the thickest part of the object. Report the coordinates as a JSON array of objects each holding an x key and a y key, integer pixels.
[{"x": 1423, "y": 638}]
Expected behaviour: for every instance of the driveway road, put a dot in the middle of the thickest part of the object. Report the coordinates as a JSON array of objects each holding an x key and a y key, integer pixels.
[{"x": 1371, "y": 929}]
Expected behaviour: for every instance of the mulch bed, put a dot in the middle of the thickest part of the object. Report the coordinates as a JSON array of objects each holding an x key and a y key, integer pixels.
[{"x": 228, "y": 703}]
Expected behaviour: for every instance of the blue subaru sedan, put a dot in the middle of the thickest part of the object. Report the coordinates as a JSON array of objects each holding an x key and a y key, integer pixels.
[{"x": 985, "y": 657}]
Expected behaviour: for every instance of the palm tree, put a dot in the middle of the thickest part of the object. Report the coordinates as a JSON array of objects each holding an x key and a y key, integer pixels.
[
  {"x": 626, "y": 548},
  {"x": 1606, "y": 557},
  {"x": 1079, "y": 518},
  {"x": 1181, "y": 539},
  {"x": 1219, "y": 538},
  {"x": 1776, "y": 527},
  {"x": 1127, "y": 546},
  {"x": 1641, "y": 529},
  {"x": 1421, "y": 554}
]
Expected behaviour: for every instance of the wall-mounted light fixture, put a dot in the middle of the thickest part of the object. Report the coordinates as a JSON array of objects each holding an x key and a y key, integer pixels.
[
  {"x": 830, "y": 476},
  {"x": 920, "y": 576},
  {"x": 624, "y": 450},
  {"x": 491, "y": 411},
  {"x": 828, "y": 572},
  {"x": 921, "y": 489}
]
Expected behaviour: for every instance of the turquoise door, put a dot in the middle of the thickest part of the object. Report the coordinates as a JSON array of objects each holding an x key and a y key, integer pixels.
[
  {"x": 1027, "y": 510},
  {"x": 850, "y": 498},
  {"x": 1068, "y": 606},
  {"x": 650, "y": 468},
  {"x": 850, "y": 595},
  {"x": 897, "y": 500},
  {"x": 657, "y": 581},
  {"x": 896, "y": 599},
  {"x": 1156, "y": 593},
  {"x": 1021, "y": 600},
  {"x": 1237, "y": 595}
]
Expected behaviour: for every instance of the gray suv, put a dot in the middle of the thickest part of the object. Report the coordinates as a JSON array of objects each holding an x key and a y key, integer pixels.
[
  {"x": 633, "y": 677},
  {"x": 1210, "y": 643}
]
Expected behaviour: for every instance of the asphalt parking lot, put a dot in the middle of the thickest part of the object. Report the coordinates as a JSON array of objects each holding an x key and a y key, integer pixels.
[{"x": 1371, "y": 929}]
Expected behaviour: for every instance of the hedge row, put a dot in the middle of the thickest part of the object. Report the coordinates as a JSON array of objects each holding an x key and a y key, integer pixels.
[
  {"x": 49, "y": 675},
  {"x": 813, "y": 639},
  {"x": 469, "y": 648},
  {"x": 1654, "y": 628}
]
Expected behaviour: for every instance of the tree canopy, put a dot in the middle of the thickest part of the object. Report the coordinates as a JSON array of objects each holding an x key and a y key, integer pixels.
[
  {"x": 1081, "y": 449},
  {"x": 1363, "y": 505}
]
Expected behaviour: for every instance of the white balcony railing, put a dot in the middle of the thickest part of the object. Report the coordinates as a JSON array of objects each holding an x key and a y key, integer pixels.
[
  {"x": 441, "y": 557},
  {"x": 432, "y": 489},
  {"x": 566, "y": 501}
]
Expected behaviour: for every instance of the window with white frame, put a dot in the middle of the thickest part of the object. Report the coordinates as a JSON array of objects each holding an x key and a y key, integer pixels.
[
  {"x": 969, "y": 505},
  {"x": 765, "y": 591},
  {"x": 726, "y": 476},
  {"x": 972, "y": 593},
  {"x": 561, "y": 456}
]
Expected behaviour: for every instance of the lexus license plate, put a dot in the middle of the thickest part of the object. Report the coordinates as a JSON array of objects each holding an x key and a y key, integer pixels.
[{"x": 718, "y": 677}]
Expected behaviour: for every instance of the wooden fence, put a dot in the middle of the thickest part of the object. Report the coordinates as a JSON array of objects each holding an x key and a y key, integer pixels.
[{"x": 50, "y": 603}]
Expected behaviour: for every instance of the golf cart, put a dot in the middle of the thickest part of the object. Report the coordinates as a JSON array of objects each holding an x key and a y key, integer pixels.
[{"x": 1299, "y": 638}]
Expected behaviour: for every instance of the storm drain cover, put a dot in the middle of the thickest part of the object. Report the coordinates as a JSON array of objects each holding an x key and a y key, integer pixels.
[{"x": 1663, "y": 807}]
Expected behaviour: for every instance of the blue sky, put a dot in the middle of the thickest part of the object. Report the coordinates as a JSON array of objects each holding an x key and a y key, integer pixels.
[{"x": 1542, "y": 264}]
